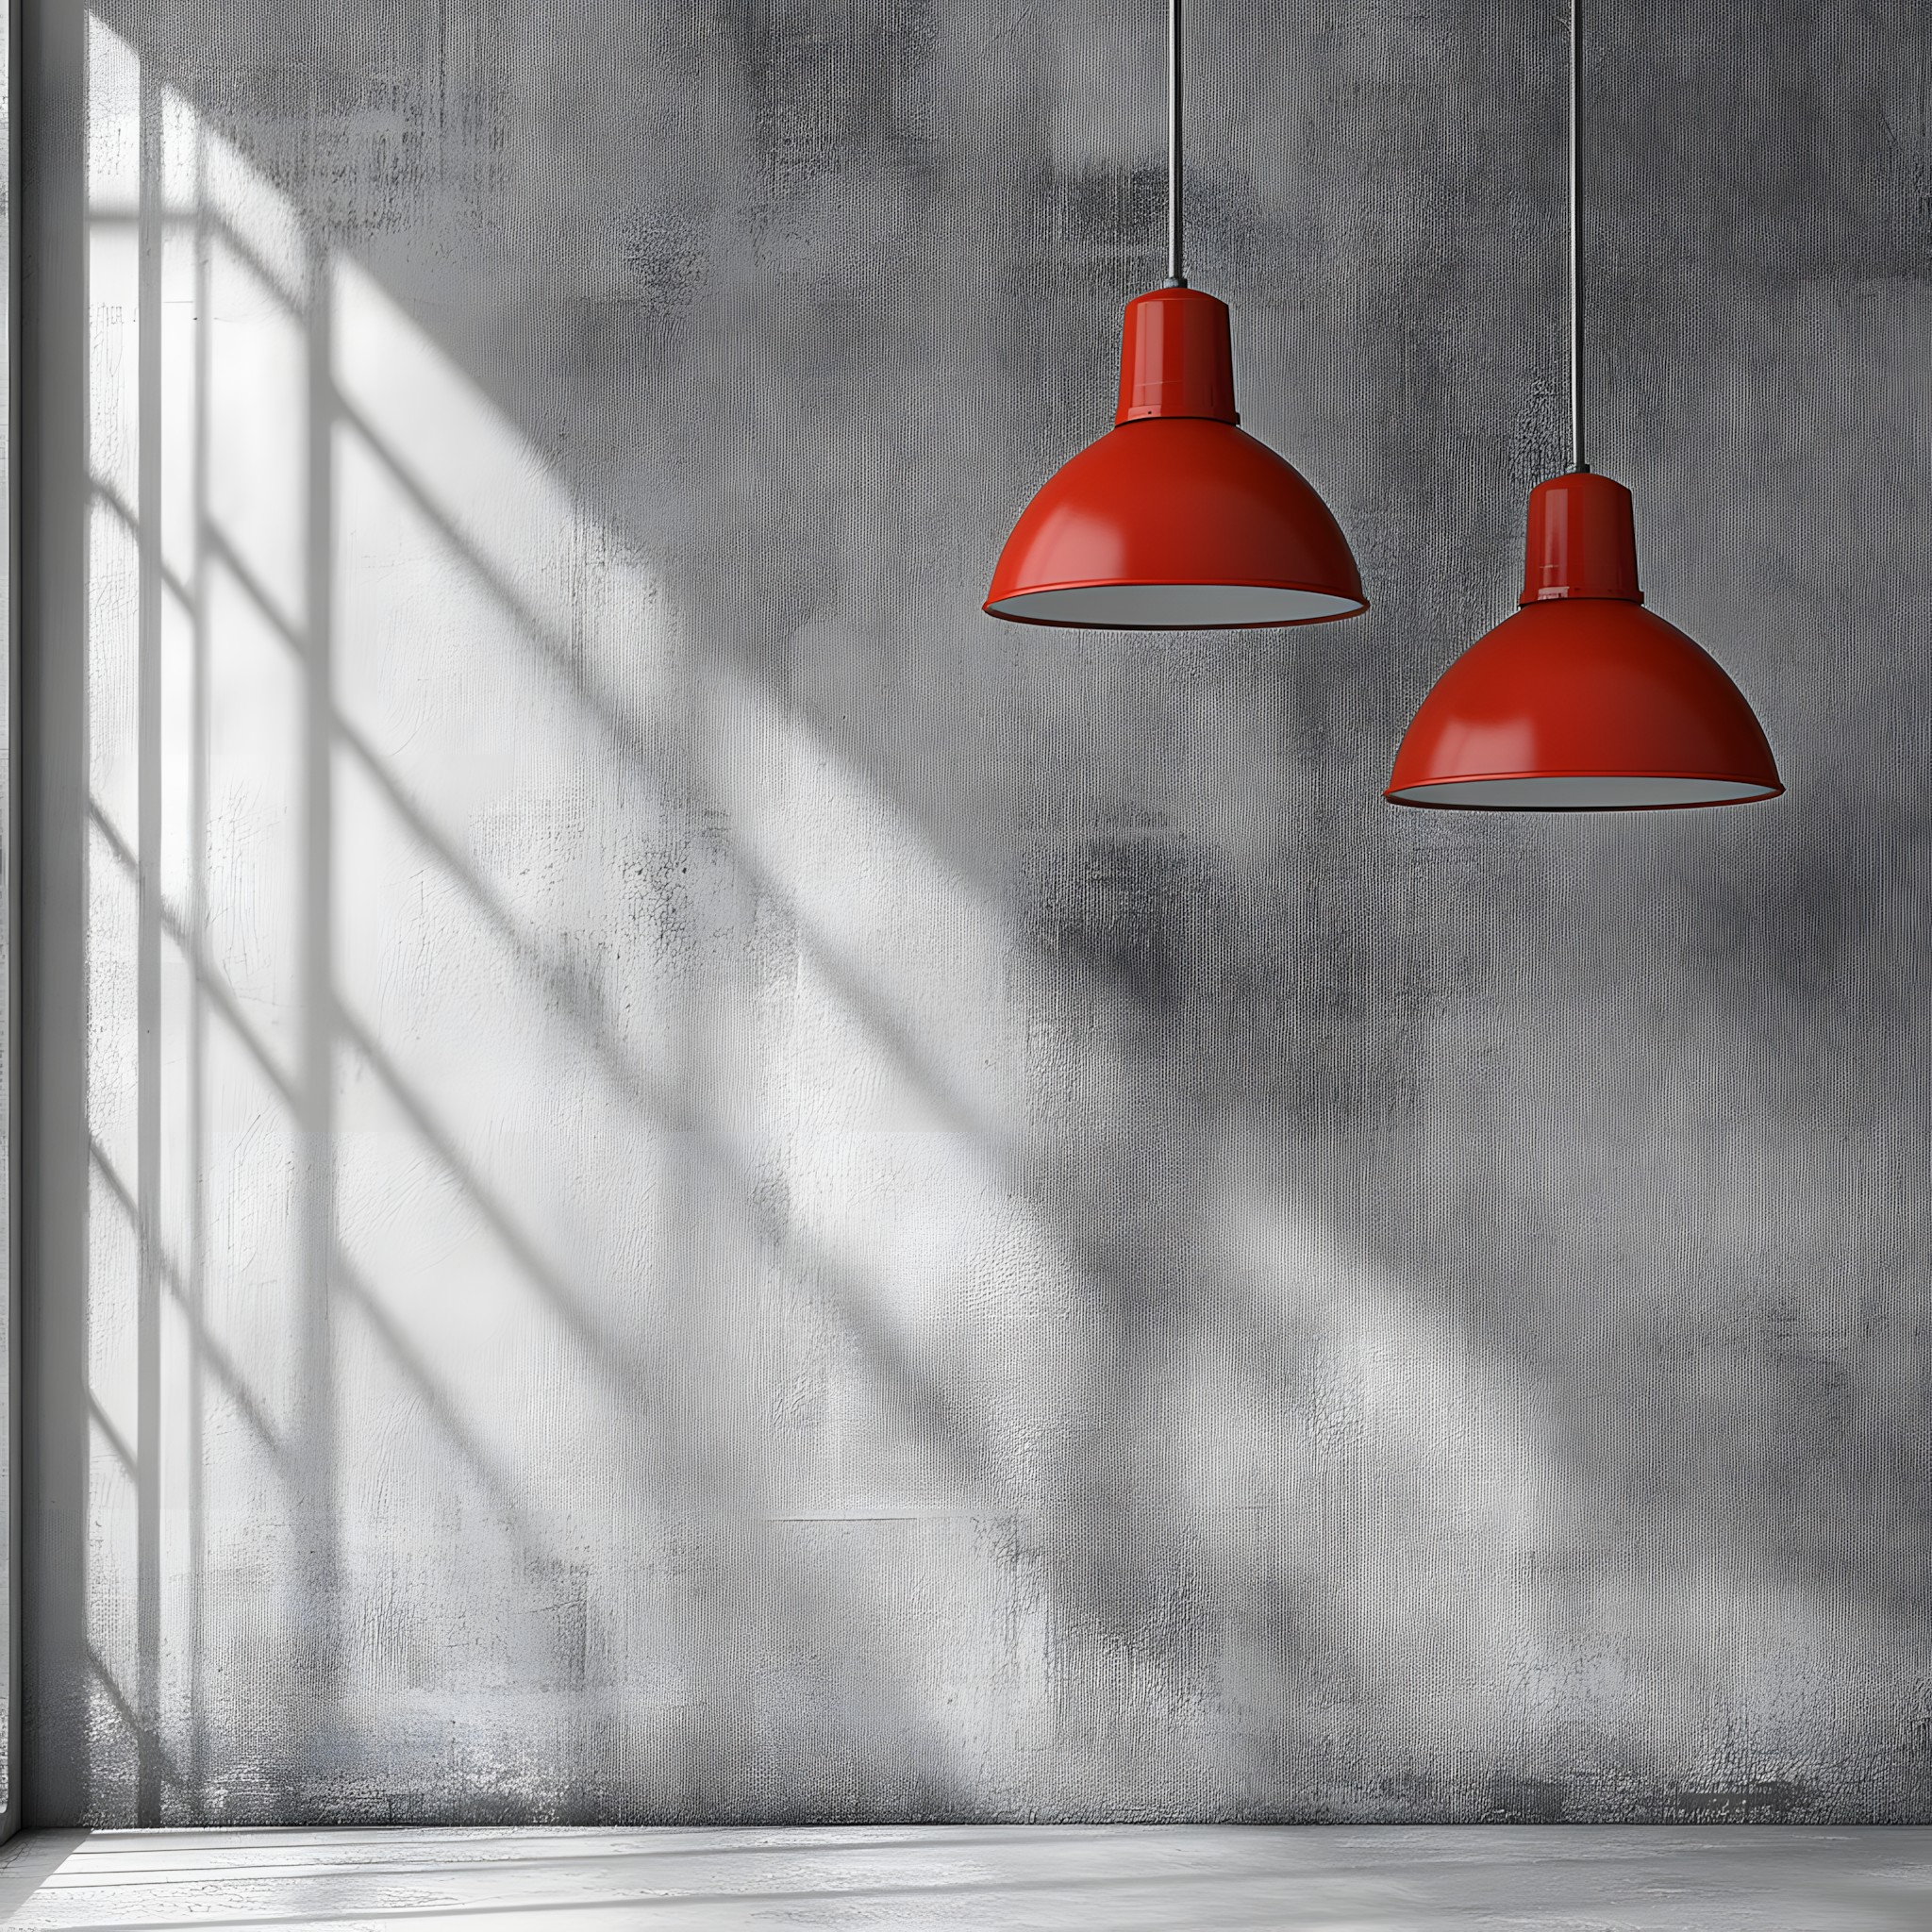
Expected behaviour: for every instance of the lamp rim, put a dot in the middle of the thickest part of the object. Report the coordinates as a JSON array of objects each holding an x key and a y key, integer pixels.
[
  {"x": 1755, "y": 792},
  {"x": 994, "y": 607}
]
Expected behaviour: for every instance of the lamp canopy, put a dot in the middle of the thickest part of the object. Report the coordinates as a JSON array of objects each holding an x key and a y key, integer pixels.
[
  {"x": 1583, "y": 700},
  {"x": 1176, "y": 519}
]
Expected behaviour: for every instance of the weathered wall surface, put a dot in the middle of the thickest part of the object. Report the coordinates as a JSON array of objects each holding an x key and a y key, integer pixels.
[{"x": 717, "y": 1189}]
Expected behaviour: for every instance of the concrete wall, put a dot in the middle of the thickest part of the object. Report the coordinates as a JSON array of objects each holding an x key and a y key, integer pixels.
[{"x": 678, "y": 1179}]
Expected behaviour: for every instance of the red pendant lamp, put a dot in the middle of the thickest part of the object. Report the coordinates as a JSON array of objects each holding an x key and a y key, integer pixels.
[
  {"x": 1175, "y": 519},
  {"x": 1582, "y": 701}
]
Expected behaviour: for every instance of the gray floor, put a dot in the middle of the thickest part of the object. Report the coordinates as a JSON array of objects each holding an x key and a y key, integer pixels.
[{"x": 1012, "y": 1878}]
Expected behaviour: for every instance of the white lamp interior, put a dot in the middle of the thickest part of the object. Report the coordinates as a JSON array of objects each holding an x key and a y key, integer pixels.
[
  {"x": 1175, "y": 607},
  {"x": 1639, "y": 792}
]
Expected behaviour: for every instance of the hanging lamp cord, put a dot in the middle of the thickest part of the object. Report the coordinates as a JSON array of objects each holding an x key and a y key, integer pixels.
[
  {"x": 1576, "y": 458},
  {"x": 1176, "y": 278}
]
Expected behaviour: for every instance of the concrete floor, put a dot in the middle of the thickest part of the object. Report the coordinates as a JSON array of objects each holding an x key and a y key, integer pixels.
[{"x": 1002, "y": 1878}]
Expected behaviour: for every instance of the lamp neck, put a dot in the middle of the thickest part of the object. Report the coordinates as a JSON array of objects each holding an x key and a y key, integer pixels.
[
  {"x": 1582, "y": 540},
  {"x": 1177, "y": 358}
]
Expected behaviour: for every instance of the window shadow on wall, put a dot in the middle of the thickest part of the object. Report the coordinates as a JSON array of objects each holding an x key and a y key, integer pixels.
[{"x": 721, "y": 1191}]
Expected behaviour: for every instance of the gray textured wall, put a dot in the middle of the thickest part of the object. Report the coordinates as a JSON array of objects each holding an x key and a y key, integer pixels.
[{"x": 715, "y": 1188}]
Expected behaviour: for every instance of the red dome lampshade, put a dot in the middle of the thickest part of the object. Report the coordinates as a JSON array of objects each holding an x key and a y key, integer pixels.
[
  {"x": 1176, "y": 520},
  {"x": 1583, "y": 701}
]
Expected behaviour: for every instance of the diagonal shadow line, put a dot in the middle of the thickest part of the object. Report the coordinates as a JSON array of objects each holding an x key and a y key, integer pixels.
[
  {"x": 258, "y": 592},
  {"x": 499, "y": 588},
  {"x": 296, "y": 303},
  {"x": 148, "y": 1739},
  {"x": 886, "y": 1027},
  {"x": 591, "y": 1016},
  {"x": 222, "y": 1363},
  {"x": 565, "y": 1298},
  {"x": 116, "y": 503},
  {"x": 123, "y": 1454},
  {"x": 211, "y": 982},
  {"x": 438, "y": 1404}
]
